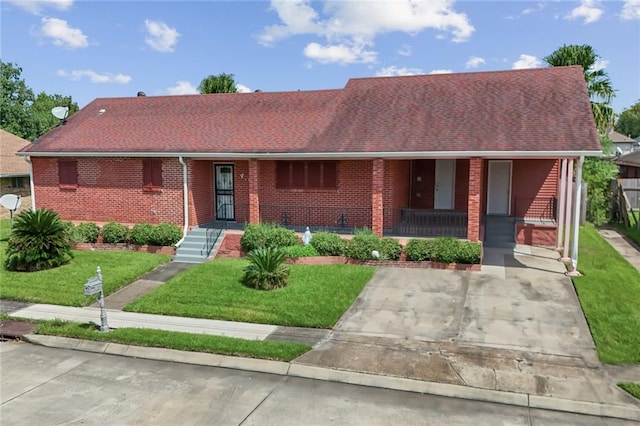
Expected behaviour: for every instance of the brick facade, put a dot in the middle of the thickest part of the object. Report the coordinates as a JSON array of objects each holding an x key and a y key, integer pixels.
[
  {"x": 377, "y": 203},
  {"x": 475, "y": 196}
]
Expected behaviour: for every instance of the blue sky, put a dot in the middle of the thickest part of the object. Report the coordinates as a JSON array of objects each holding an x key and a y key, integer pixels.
[{"x": 90, "y": 49}]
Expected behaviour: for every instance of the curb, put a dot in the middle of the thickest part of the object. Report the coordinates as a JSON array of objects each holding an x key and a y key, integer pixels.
[{"x": 341, "y": 376}]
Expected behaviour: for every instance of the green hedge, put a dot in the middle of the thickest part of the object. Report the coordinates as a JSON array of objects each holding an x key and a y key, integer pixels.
[
  {"x": 444, "y": 249},
  {"x": 267, "y": 235}
]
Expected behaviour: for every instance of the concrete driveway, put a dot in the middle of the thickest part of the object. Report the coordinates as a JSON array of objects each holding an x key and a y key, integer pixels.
[{"x": 521, "y": 300}]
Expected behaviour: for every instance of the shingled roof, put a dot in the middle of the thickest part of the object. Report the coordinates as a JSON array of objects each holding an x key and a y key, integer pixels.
[
  {"x": 10, "y": 164},
  {"x": 541, "y": 111}
]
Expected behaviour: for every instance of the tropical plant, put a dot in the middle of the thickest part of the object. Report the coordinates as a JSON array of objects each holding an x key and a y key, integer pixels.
[
  {"x": 266, "y": 270},
  {"x": 598, "y": 83},
  {"x": 222, "y": 83},
  {"x": 38, "y": 241}
]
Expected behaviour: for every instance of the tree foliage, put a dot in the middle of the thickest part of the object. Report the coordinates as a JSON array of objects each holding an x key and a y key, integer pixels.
[
  {"x": 598, "y": 83},
  {"x": 629, "y": 121},
  {"x": 222, "y": 83},
  {"x": 21, "y": 112}
]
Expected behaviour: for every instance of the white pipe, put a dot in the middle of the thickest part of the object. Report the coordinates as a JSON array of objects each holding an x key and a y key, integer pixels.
[
  {"x": 576, "y": 217},
  {"x": 567, "y": 217},
  {"x": 185, "y": 201},
  {"x": 32, "y": 187},
  {"x": 561, "y": 202}
]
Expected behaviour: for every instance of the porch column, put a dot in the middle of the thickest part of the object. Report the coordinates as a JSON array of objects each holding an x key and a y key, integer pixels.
[
  {"x": 561, "y": 199},
  {"x": 567, "y": 216},
  {"x": 254, "y": 198},
  {"x": 473, "y": 207},
  {"x": 576, "y": 218},
  {"x": 377, "y": 204}
]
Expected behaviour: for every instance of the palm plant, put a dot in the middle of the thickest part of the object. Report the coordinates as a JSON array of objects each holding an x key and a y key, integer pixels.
[
  {"x": 38, "y": 241},
  {"x": 267, "y": 270},
  {"x": 598, "y": 84}
]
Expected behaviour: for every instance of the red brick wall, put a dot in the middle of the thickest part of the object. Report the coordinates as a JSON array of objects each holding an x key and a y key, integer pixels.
[
  {"x": 201, "y": 198},
  {"x": 377, "y": 191},
  {"x": 396, "y": 189},
  {"x": 532, "y": 179},
  {"x": 474, "y": 202},
  {"x": 110, "y": 189},
  {"x": 537, "y": 235}
]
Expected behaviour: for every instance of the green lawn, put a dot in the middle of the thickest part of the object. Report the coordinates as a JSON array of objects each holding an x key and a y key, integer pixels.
[
  {"x": 316, "y": 296},
  {"x": 633, "y": 232},
  {"x": 632, "y": 388},
  {"x": 609, "y": 292},
  {"x": 281, "y": 351}
]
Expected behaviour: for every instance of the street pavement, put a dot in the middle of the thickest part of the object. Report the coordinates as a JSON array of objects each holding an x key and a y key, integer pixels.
[{"x": 43, "y": 386}]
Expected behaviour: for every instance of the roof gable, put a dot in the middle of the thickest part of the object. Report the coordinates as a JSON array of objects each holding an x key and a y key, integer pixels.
[{"x": 10, "y": 164}]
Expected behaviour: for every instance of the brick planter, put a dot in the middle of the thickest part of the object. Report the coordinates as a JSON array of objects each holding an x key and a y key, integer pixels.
[
  {"x": 123, "y": 246},
  {"x": 332, "y": 260}
]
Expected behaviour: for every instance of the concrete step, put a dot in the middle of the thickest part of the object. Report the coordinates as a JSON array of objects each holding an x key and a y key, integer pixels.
[{"x": 189, "y": 258}]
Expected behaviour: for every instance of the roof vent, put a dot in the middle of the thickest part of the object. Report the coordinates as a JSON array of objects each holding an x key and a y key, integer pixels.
[
  {"x": 142, "y": 93},
  {"x": 257, "y": 91}
]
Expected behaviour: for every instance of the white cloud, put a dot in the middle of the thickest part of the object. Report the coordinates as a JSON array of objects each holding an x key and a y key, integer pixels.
[
  {"x": 526, "y": 61},
  {"x": 62, "y": 34},
  {"x": 599, "y": 65},
  {"x": 630, "y": 10},
  {"x": 589, "y": 11},
  {"x": 531, "y": 10},
  {"x": 441, "y": 72},
  {"x": 36, "y": 6},
  {"x": 241, "y": 88},
  {"x": 340, "y": 53},
  {"x": 161, "y": 37},
  {"x": 393, "y": 71},
  {"x": 475, "y": 62},
  {"x": 348, "y": 25},
  {"x": 405, "y": 50},
  {"x": 95, "y": 77},
  {"x": 183, "y": 88}
]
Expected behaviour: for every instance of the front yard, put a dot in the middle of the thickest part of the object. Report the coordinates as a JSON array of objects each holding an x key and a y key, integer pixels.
[
  {"x": 316, "y": 296},
  {"x": 609, "y": 293}
]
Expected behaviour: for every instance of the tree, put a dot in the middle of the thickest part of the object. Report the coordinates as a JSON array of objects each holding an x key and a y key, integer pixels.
[
  {"x": 598, "y": 84},
  {"x": 41, "y": 109},
  {"x": 223, "y": 83},
  {"x": 15, "y": 102},
  {"x": 629, "y": 121}
]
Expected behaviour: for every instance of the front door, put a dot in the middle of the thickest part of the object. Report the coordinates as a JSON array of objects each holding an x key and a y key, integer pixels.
[
  {"x": 445, "y": 184},
  {"x": 499, "y": 187},
  {"x": 223, "y": 175}
]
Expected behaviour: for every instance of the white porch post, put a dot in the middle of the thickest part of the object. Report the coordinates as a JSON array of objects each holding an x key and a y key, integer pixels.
[
  {"x": 567, "y": 212},
  {"x": 576, "y": 218},
  {"x": 561, "y": 201}
]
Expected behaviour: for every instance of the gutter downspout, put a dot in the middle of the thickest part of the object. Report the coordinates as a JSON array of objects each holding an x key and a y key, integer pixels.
[
  {"x": 32, "y": 187},
  {"x": 576, "y": 219},
  {"x": 185, "y": 201}
]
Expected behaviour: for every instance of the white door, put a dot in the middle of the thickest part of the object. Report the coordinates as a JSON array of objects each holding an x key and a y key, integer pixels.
[
  {"x": 224, "y": 191},
  {"x": 445, "y": 184},
  {"x": 499, "y": 187}
]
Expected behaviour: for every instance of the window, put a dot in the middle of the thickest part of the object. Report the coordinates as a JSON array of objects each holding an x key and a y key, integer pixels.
[
  {"x": 17, "y": 182},
  {"x": 68, "y": 173},
  {"x": 306, "y": 175},
  {"x": 151, "y": 174}
]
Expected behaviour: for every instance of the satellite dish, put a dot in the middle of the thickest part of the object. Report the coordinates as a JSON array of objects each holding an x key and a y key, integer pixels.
[
  {"x": 11, "y": 201},
  {"x": 60, "y": 113}
]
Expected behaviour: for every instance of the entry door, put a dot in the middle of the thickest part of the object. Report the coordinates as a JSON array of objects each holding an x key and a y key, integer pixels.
[
  {"x": 224, "y": 191},
  {"x": 445, "y": 184},
  {"x": 499, "y": 187}
]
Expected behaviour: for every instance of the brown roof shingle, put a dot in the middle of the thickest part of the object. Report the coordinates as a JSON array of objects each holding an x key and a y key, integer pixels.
[
  {"x": 532, "y": 110},
  {"x": 10, "y": 164}
]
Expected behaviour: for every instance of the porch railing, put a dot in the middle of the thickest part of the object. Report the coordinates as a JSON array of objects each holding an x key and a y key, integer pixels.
[
  {"x": 426, "y": 222},
  {"x": 338, "y": 219},
  {"x": 543, "y": 209}
]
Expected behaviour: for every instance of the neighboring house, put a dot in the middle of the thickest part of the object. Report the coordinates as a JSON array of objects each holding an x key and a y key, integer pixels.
[
  {"x": 14, "y": 171},
  {"x": 470, "y": 155},
  {"x": 622, "y": 144},
  {"x": 629, "y": 165}
]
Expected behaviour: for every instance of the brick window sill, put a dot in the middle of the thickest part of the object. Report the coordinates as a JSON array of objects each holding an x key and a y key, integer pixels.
[
  {"x": 152, "y": 189},
  {"x": 68, "y": 187}
]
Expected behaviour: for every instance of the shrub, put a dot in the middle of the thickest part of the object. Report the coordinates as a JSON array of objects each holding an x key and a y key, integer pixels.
[
  {"x": 88, "y": 232},
  {"x": 418, "y": 250},
  {"x": 142, "y": 234},
  {"x": 445, "y": 249},
  {"x": 362, "y": 244},
  {"x": 166, "y": 234},
  {"x": 114, "y": 233},
  {"x": 38, "y": 241},
  {"x": 72, "y": 232},
  {"x": 300, "y": 251},
  {"x": 264, "y": 235},
  {"x": 469, "y": 253},
  {"x": 328, "y": 243},
  {"x": 266, "y": 270},
  {"x": 390, "y": 249}
]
